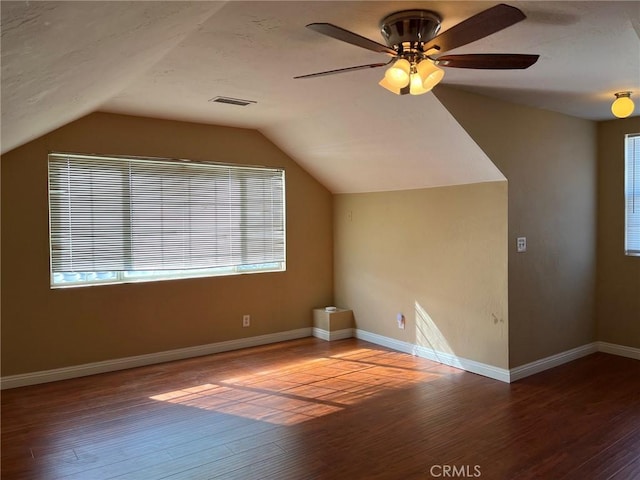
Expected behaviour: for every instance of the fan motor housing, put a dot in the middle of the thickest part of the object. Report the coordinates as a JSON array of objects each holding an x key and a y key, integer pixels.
[{"x": 410, "y": 26}]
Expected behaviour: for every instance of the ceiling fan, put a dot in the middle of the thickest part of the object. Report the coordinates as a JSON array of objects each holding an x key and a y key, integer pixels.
[{"x": 416, "y": 49}]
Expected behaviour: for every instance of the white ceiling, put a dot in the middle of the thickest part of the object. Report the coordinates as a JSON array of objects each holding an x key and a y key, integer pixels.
[{"x": 63, "y": 60}]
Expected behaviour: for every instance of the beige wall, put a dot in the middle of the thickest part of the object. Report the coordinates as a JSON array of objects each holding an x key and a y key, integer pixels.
[
  {"x": 618, "y": 287},
  {"x": 45, "y": 329},
  {"x": 436, "y": 255},
  {"x": 549, "y": 160}
]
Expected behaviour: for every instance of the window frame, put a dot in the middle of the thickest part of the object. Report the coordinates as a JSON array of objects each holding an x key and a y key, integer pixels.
[
  {"x": 632, "y": 189},
  {"x": 92, "y": 278}
]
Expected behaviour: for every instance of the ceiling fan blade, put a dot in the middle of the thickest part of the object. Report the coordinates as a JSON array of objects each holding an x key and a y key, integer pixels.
[
  {"x": 339, "y": 33},
  {"x": 488, "y": 61},
  {"x": 474, "y": 28},
  {"x": 343, "y": 70}
]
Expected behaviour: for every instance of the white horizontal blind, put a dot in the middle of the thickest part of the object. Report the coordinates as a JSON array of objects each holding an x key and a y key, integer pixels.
[
  {"x": 632, "y": 194},
  {"x": 119, "y": 214}
]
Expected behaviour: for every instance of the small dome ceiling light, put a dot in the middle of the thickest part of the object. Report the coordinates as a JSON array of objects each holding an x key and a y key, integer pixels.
[{"x": 622, "y": 106}]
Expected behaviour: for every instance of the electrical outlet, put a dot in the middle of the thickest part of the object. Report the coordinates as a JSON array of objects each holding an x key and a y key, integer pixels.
[
  {"x": 400, "y": 320},
  {"x": 246, "y": 320},
  {"x": 521, "y": 244}
]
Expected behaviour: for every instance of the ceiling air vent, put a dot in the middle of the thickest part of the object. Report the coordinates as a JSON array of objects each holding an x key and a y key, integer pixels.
[{"x": 232, "y": 101}]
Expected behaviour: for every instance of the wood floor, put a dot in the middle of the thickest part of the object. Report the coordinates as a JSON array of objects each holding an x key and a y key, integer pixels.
[{"x": 309, "y": 409}]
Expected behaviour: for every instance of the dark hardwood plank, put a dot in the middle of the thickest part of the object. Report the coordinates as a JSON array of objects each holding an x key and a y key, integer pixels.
[
  {"x": 630, "y": 471},
  {"x": 309, "y": 409}
]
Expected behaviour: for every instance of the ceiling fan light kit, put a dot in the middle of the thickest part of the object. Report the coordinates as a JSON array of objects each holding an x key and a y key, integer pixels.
[
  {"x": 622, "y": 106},
  {"x": 419, "y": 77},
  {"x": 405, "y": 31},
  {"x": 413, "y": 41}
]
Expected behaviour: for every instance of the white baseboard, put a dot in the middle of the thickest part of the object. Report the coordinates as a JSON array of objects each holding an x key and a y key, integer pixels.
[
  {"x": 445, "y": 358},
  {"x": 573, "y": 354},
  {"x": 462, "y": 363},
  {"x": 383, "y": 341},
  {"x": 472, "y": 366},
  {"x": 334, "y": 335},
  {"x": 491, "y": 371},
  {"x": 45, "y": 376},
  {"x": 552, "y": 361},
  {"x": 621, "y": 350}
]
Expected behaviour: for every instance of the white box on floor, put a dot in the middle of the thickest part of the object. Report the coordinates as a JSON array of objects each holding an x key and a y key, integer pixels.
[{"x": 332, "y": 325}]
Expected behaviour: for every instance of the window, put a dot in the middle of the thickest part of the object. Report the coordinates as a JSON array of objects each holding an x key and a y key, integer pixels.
[
  {"x": 116, "y": 220},
  {"x": 632, "y": 194}
]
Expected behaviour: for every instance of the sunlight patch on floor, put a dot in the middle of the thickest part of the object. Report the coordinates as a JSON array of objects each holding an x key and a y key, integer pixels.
[{"x": 307, "y": 389}]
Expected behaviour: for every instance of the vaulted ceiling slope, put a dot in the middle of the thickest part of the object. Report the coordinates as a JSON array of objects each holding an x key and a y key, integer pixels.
[{"x": 63, "y": 60}]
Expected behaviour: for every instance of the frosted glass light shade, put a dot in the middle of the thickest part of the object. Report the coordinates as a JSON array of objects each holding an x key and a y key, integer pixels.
[
  {"x": 430, "y": 74},
  {"x": 398, "y": 75},
  {"x": 384, "y": 83},
  {"x": 416, "y": 88},
  {"x": 622, "y": 106}
]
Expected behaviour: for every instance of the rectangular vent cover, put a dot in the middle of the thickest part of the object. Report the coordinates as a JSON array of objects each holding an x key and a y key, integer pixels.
[{"x": 232, "y": 101}]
